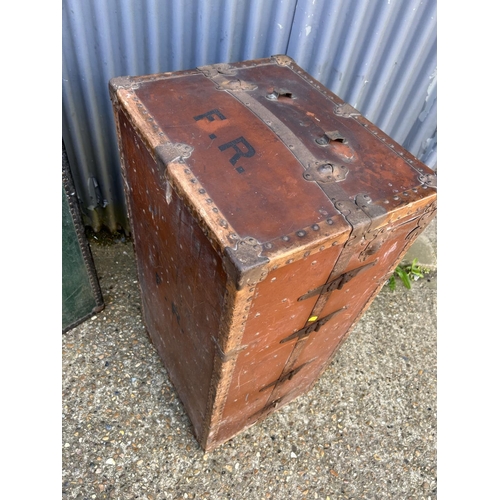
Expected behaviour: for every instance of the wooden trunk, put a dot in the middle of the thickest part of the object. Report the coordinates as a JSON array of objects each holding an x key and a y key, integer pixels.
[{"x": 266, "y": 215}]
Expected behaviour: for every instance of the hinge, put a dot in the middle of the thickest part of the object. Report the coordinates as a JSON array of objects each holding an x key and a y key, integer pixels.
[
  {"x": 424, "y": 219},
  {"x": 313, "y": 327},
  {"x": 337, "y": 283}
]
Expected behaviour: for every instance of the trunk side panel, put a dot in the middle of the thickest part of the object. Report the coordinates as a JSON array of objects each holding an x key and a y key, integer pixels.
[{"x": 175, "y": 263}]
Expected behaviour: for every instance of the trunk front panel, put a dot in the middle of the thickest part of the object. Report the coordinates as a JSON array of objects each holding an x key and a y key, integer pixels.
[{"x": 274, "y": 314}]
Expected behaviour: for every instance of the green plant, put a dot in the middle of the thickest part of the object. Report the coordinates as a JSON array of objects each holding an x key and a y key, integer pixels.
[{"x": 407, "y": 274}]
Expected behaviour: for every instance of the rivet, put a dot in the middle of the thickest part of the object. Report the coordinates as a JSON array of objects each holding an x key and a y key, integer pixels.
[
  {"x": 307, "y": 254},
  {"x": 215, "y": 209},
  {"x": 289, "y": 261},
  {"x": 315, "y": 227},
  {"x": 414, "y": 190},
  {"x": 209, "y": 200},
  {"x": 329, "y": 221},
  {"x": 187, "y": 171},
  {"x": 223, "y": 223},
  {"x": 285, "y": 238},
  {"x": 194, "y": 181},
  {"x": 335, "y": 243},
  {"x": 201, "y": 191},
  {"x": 268, "y": 245},
  {"x": 321, "y": 249},
  {"x": 301, "y": 233},
  {"x": 396, "y": 197},
  {"x": 405, "y": 193},
  {"x": 386, "y": 201}
]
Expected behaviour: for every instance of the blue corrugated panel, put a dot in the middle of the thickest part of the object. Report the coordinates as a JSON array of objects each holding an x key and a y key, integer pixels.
[
  {"x": 379, "y": 56},
  {"x": 102, "y": 40}
]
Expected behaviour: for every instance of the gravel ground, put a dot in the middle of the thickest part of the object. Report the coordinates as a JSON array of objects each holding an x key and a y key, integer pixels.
[{"x": 367, "y": 430}]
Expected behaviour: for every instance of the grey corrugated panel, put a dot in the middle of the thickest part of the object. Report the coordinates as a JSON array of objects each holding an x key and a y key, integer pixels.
[
  {"x": 374, "y": 54},
  {"x": 102, "y": 40},
  {"x": 380, "y": 56}
]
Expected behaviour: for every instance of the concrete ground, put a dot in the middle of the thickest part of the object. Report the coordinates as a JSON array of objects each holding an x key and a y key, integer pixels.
[{"x": 367, "y": 430}]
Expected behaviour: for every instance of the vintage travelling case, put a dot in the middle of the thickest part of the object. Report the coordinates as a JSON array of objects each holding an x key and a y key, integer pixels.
[{"x": 266, "y": 215}]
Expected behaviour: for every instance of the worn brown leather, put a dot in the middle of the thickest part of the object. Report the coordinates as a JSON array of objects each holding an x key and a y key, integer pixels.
[{"x": 266, "y": 215}]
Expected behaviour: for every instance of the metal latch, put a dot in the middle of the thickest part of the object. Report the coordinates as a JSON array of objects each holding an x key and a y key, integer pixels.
[
  {"x": 287, "y": 376},
  {"x": 326, "y": 172},
  {"x": 270, "y": 406},
  {"x": 313, "y": 327},
  {"x": 337, "y": 283}
]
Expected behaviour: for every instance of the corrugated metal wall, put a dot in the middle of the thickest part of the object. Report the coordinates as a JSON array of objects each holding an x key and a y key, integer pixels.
[{"x": 380, "y": 56}]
